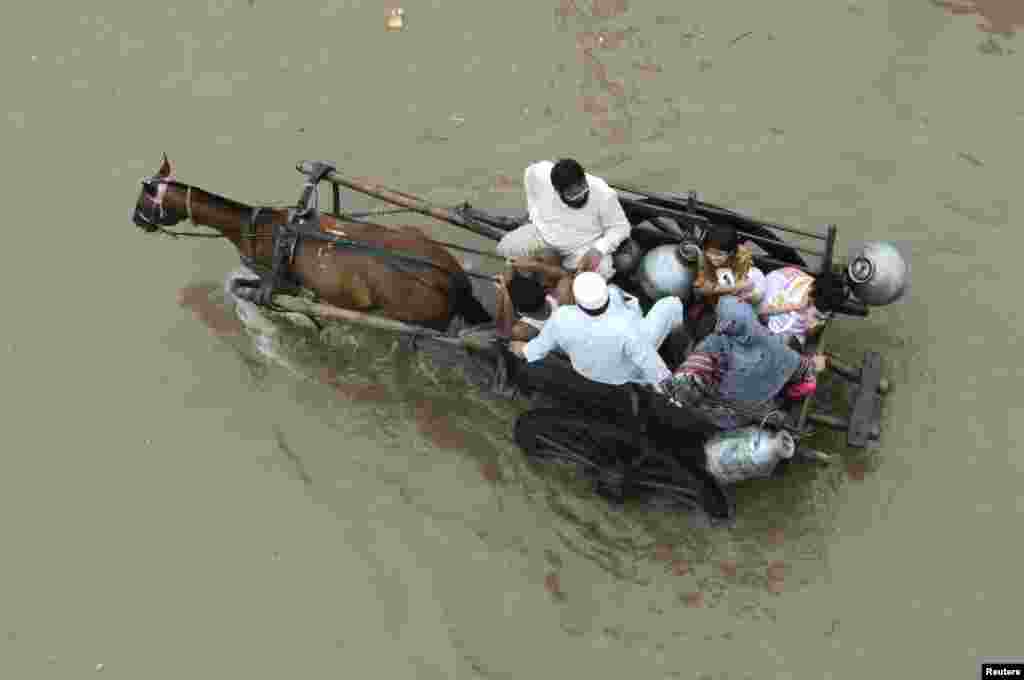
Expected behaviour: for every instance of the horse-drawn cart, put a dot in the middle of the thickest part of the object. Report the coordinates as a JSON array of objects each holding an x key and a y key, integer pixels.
[{"x": 629, "y": 440}]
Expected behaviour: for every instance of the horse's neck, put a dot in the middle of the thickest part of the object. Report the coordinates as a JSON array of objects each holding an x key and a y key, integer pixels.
[{"x": 216, "y": 212}]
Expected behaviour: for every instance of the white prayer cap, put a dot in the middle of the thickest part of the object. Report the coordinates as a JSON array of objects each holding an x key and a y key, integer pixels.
[{"x": 590, "y": 290}]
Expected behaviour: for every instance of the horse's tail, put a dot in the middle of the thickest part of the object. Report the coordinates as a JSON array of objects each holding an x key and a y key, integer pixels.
[{"x": 465, "y": 304}]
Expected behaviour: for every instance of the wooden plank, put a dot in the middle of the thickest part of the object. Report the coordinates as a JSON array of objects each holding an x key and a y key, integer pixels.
[
  {"x": 413, "y": 203},
  {"x": 853, "y": 374},
  {"x": 864, "y": 418}
]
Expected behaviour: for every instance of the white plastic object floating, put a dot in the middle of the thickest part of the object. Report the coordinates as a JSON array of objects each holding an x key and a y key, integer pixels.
[{"x": 394, "y": 21}]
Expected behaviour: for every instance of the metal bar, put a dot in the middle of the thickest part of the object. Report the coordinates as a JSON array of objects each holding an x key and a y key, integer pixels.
[
  {"x": 828, "y": 420},
  {"x": 354, "y": 217},
  {"x": 682, "y": 215},
  {"x": 408, "y": 201},
  {"x": 853, "y": 374},
  {"x": 318, "y": 309},
  {"x": 674, "y": 200},
  {"x": 758, "y": 259},
  {"x": 339, "y": 242},
  {"x": 830, "y": 244},
  {"x": 765, "y": 239}
]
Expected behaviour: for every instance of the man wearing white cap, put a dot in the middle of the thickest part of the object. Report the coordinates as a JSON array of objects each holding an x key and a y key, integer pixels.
[
  {"x": 605, "y": 335},
  {"x": 574, "y": 214}
]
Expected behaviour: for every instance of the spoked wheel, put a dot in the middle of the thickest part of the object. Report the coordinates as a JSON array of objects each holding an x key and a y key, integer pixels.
[{"x": 620, "y": 463}]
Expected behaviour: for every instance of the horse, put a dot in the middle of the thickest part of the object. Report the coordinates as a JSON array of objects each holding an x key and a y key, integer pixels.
[{"x": 430, "y": 291}]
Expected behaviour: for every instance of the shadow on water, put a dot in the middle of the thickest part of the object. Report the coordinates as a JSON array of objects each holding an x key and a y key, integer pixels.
[
  {"x": 366, "y": 384},
  {"x": 419, "y": 408}
]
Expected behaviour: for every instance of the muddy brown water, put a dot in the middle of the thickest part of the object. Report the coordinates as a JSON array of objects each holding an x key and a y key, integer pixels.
[{"x": 172, "y": 508}]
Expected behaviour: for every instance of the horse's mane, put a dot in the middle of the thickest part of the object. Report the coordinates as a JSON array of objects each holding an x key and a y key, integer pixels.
[{"x": 226, "y": 203}]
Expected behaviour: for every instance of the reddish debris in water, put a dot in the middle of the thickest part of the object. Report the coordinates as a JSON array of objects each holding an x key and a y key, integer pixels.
[
  {"x": 776, "y": 536},
  {"x": 587, "y": 40},
  {"x": 612, "y": 40},
  {"x": 694, "y": 599},
  {"x": 617, "y": 133},
  {"x": 606, "y": 9},
  {"x": 605, "y": 40},
  {"x": 373, "y": 392},
  {"x": 217, "y": 318},
  {"x": 680, "y": 567},
  {"x": 663, "y": 552},
  {"x": 356, "y": 392},
  {"x": 566, "y": 9},
  {"x": 593, "y": 104},
  {"x": 505, "y": 183},
  {"x": 776, "y": 570},
  {"x": 998, "y": 16},
  {"x": 648, "y": 69},
  {"x": 593, "y": 64},
  {"x": 728, "y": 568},
  {"x": 189, "y": 296},
  {"x": 490, "y": 472},
  {"x": 616, "y": 88},
  {"x": 775, "y": 585},
  {"x": 438, "y": 427},
  {"x": 856, "y": 470},
  {"x": 553, "y": 584}
]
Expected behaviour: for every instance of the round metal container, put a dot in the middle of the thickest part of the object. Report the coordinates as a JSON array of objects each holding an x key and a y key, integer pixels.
[
  {"x": 665, "y": 271},
  {"x": 877, "y": 274}
]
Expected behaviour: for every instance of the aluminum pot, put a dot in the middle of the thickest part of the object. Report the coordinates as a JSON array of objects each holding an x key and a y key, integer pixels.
[
  {"x": 669, "y": 269},
  {"x": 877, "y": 274}
]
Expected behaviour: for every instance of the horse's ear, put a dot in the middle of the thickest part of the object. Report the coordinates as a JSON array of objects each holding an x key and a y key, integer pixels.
[{"x": 166, "y": 168}]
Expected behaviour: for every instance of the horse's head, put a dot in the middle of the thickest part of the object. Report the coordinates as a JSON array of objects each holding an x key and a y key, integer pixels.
[{"x": 152, "y": 211}]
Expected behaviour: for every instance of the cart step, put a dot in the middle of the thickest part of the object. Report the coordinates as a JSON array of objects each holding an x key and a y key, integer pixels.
[{"x": 864, "y": 420}]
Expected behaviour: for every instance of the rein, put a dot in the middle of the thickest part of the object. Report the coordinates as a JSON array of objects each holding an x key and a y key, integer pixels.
[{"x": 250, "y": 234}]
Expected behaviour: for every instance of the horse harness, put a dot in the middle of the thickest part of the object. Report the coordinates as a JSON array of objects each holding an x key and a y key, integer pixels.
[{"x": 303, "y": 222}]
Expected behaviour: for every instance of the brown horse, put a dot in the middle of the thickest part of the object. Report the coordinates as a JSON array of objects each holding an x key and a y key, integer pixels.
[{"x": 427, "y": 288}]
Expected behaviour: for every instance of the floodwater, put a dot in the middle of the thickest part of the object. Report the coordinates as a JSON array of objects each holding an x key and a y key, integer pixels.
[{"x": 172, "y": 508}]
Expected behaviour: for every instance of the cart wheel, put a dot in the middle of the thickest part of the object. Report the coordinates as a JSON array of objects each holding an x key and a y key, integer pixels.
[
  {"x": 620, "y": 463},
  {"x": 661, "y": 482}
]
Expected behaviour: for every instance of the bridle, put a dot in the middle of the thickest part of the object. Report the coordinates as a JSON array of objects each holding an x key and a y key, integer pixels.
[{"x": 158, "y": 222}]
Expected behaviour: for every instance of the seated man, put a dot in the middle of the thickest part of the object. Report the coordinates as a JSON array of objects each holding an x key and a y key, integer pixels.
[
  {"x": 607, "y": 338},
  {"x": 575, "y": 214},
  {"x": 523, "y": 306},
  {"x": 547, "y": 271},
  {"x": 735, "y": 375}
]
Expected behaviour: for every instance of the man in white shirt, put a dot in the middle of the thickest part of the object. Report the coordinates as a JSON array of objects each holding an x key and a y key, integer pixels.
[
  {"x": 605, "y": 335},
  {"x": 572, "y": 213}
]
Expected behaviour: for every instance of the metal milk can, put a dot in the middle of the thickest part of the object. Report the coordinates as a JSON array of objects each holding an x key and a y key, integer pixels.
[
  {"x": 669, "y": 269},
  {"x": 877, "y": 274},
  {"x": 747, "y": 453}
]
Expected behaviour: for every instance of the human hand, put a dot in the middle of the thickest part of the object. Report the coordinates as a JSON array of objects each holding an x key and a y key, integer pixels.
[
  {"x": 591, "y": 261},
  {"x": 518, "y": 347},
  {"x": 745, "y": 290},
  {"x": 820, "y": 362},
  {"x": 520, "y": 262}
]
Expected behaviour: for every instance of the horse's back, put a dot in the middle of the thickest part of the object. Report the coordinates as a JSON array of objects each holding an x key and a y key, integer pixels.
[{"x": 404, "y": 239}]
